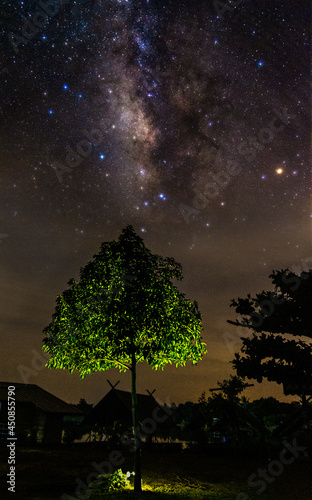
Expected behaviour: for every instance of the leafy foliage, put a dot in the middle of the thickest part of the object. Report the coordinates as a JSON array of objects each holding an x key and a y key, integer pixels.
[
  {"x": 271, "y": 412},
  {"x": 75, "y": 428},
  {"x": 231, "y": 388},
  {"x": 124, "y": 304},
  {"x": 226, "y": 406},
  {"x": 286, "y": 310},
  {"x": 106, "y": 483}
]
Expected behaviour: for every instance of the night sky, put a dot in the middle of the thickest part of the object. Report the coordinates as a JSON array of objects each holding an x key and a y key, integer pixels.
[{"x": 187, "y": 120}]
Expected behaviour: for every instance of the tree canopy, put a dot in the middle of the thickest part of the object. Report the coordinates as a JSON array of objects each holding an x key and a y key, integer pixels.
[
  {"x": 124, "y": 305},
  {"x": 275, "y": 318}
]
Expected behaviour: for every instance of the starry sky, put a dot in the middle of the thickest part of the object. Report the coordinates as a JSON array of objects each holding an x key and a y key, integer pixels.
[{"x": 189, "y": 120}]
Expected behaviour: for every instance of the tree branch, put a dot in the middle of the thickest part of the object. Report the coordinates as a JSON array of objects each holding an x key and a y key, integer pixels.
[
  {"x": 109, "y": 361},
  {"x": 139, "y": 359},
  {"x": 236, "y": 323}
]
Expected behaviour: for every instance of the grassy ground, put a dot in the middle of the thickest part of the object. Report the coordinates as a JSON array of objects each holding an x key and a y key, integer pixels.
[{"x": 51, "y": 474}]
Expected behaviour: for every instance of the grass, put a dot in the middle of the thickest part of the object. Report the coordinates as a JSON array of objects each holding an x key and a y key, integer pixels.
[
  {"x": 49, "y": 474},
  {"x": 166, "y": 492}
]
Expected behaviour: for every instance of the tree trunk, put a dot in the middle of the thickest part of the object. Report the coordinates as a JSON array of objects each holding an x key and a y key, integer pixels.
[
  {"x": 305, "y": 417},
  {"x": 135, "y": 429}
]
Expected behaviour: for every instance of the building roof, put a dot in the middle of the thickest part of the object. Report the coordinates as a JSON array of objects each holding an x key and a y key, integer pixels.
[
  {"x": 32, "y": 393},
  {"x": 117, "y": 405}
]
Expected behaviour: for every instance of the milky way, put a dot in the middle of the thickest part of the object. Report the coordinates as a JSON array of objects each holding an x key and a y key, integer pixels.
[{"x": 190, "y": 122}]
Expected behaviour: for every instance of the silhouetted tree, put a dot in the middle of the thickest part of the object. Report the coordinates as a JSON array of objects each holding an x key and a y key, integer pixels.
[
  {"x": 270, "y": 353},
  {"x": 76, "y": 429},
  {"x": 84, "y": 406},
  {"x": 124, "y": 310},
  {"x": 224, "y": 405},
  {"x": 271, "y": 412},
  {"x": 189, "y": 423}
]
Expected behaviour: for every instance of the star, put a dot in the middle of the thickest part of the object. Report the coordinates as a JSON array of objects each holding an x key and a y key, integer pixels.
[{"x": 176, "y": 99}]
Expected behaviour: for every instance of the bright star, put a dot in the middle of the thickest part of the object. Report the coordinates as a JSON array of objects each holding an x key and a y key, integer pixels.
[{"x": 279, "y": 171}]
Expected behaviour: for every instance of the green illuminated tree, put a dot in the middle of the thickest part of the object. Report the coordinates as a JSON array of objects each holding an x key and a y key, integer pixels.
[{"x": 124, "y": 310}]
